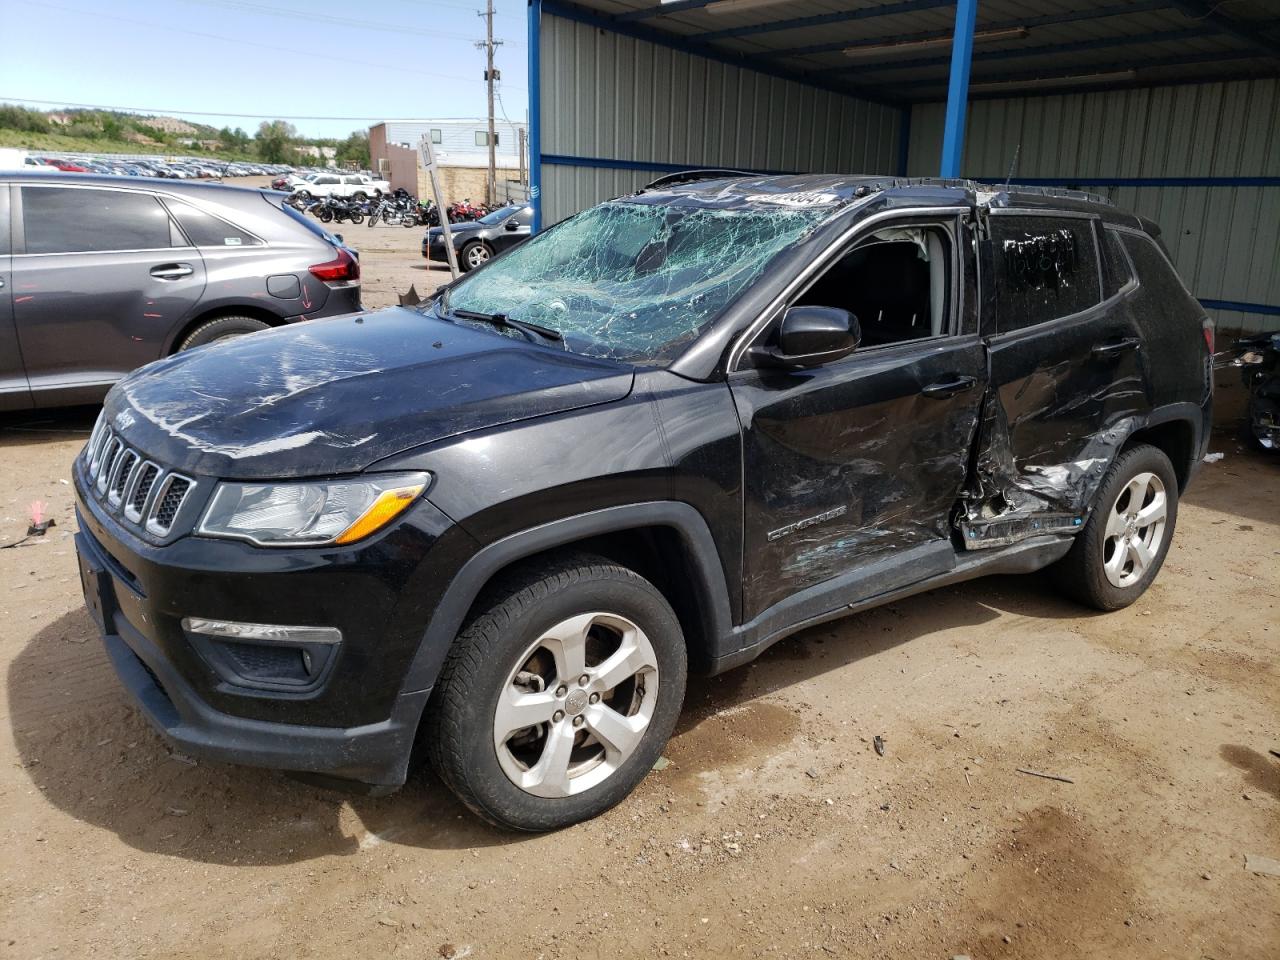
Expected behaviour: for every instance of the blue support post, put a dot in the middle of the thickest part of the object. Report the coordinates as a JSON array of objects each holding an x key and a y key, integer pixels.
[
  {"x": 535, "y": 112},
  {"x": 958, "y": 88}
]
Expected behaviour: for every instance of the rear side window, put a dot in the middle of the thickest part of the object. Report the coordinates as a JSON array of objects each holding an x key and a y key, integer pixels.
[
  {"x": 1045, "y": 268},
  {"x": 205, "y": 230},
  {"x": 1115, "y": 265},
  {"x": 67, "y": 220},
  {"x": 1158, "y": 276}
]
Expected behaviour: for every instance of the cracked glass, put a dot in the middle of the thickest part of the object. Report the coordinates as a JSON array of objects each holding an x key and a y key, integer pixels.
[{"x": 633, "y": 281}]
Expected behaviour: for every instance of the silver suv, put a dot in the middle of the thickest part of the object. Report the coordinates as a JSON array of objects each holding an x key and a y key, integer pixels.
[{"x": 100, "y": 275}]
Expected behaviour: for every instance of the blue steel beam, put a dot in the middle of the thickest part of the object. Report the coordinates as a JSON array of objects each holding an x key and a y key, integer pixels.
[
  {"x": 1044, "y": 20},
  {"x": 535, "y": 111},
  {"x": 1252, "y": 34},
  {"x": 1083, "y": 70},
  {"x": 958, "y": 88},
  {"x": 1047, "y": 49}
]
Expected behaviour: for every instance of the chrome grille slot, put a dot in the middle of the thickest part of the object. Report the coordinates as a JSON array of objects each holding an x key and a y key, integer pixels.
[
  {"x": 169, "y": 500},
  {"x": 124, "y": 467},
  {"x": 109, "y": 454},
  {"x": 146, "y": 494},
  {"x": 142, "y": 489}
]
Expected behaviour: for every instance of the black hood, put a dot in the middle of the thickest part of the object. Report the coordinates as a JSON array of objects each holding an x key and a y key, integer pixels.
[
  {"x": 465, "y": 226},
  {"x": 334, "y": 396}
]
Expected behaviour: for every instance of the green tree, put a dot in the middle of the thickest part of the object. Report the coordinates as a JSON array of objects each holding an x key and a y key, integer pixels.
[
  {"x": 20, "y": 118},
  {"x": 276, "y": 141},
  {"x": 234, "y": 140},
  {"x": 354, "y": 149}
]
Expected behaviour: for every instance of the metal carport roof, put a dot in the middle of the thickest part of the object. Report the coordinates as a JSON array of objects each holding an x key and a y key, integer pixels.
[{"x": 900, "y": 52}]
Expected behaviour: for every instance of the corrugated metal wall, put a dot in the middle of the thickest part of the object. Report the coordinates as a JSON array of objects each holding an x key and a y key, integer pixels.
[
  {"x": 609, "y": 99},
  {"x": 1225, "y": 239}
]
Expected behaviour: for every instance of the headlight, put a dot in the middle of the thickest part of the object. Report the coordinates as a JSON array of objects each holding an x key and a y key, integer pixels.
[{"x": 291, "y": 514}]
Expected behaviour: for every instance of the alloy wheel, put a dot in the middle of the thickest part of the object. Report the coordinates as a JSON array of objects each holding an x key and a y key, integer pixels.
[
  {"x": 576, "y": 706},
  {"x": 477, "y": 255},
  {"x": 1135, "y": 530}
]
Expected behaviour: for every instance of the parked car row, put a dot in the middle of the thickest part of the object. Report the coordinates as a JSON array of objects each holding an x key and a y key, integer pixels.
[
  {"x": 183, "y": 168},
  {"x": 102, "y": 274}
]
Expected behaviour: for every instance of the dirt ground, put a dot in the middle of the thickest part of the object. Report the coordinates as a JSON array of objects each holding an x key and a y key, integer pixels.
[{"x": 775, "y": 830}]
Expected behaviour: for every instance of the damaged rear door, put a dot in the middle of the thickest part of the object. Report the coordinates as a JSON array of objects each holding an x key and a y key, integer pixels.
[{"x": 1068, "y": 376}]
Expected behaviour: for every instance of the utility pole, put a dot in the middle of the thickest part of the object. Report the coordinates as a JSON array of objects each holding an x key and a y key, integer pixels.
[{"x": 491, "y": 76}]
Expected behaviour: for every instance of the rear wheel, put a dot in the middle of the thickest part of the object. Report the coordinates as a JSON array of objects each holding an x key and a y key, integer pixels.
[
  {"x": 221, "y": 328},
  {"x": 559, "y": 695},
  {"x": 1121, "y": 549}
]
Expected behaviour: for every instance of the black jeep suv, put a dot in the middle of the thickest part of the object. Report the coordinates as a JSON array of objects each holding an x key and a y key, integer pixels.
[{"x": 656, "y": 437}]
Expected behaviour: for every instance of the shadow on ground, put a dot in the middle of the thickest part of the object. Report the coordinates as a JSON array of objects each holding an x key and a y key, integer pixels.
[{"x": 94, "y": 756}]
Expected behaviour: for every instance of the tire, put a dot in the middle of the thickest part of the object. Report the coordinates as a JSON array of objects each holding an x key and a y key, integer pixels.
[
  {"x": 475, "y": 254},
  {"x": 324, "y": 215},
  {"x": 507, "y": 650},
  {"x": 356, "y": 216},
  {"x": 1114, "y": 559},
  {"x": 360, "y": 196},
  {"x": 220, "y": 328}
]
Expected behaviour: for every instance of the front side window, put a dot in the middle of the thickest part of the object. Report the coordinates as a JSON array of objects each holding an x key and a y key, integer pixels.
[
  {"x": 633, "y": 281},
  {"x": 72, "y": 220},
  {"x": 896, "y": 282},
  {"x": 1045, "y": 268}
]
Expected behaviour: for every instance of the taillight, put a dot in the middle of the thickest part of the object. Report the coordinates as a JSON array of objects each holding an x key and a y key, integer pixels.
[
  {"x": 1207, "y": 326},
  {"x": 345, "y": 268}
]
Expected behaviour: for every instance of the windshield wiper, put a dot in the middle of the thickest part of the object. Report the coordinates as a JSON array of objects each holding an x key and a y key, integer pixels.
[{"x": 502, "y": 320}]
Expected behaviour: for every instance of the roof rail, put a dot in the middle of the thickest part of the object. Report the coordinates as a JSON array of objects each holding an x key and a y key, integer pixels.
[
  {"x": 1000, "y": 186},
  {"x": 689, "y": 176}
]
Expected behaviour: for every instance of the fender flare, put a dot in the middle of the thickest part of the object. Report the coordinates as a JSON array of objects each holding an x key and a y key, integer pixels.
[{"x": 446, "y": 619}]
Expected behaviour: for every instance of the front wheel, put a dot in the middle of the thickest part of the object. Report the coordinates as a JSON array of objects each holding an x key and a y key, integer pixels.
[
  {"x": 559, "y": 695},
  {"x": 475, "y": 254},
  {"x": 1121, "y": 549}
]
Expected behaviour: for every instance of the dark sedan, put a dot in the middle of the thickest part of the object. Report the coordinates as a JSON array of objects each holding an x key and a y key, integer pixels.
[{"x": 477, "y": 241}]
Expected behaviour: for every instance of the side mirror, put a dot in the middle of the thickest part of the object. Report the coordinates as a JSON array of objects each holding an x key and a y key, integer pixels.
[
  {"x": 810, "y": 337},
  {"x": 512, "y": 224}
]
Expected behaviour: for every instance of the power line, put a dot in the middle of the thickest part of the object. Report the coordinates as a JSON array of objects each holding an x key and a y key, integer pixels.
[
  {"x": 326, "y": 18},
  {"x": 168, "y": 111},
  {"x": 264, "y": 46}
]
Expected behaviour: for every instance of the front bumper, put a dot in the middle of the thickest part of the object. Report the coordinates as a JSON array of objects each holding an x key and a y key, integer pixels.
[
  {"x": 376, "y": 754},
  {"x": 357, "y": 721}
]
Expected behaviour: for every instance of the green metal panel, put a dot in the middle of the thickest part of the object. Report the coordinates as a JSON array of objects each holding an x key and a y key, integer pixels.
[{"x": 1225, "y": 240}]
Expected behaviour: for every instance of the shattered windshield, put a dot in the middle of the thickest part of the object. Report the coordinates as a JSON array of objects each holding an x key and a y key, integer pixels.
[{"x": 632, "y": 281}]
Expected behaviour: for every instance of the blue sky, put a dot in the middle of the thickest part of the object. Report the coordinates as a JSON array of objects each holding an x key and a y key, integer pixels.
[{"x": 287, "y": 59}]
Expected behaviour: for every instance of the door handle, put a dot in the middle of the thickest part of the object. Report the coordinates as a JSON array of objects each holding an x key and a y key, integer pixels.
[
  {"x": 172, "y": 271},
  {"x": 949, "y": 388},
  {"x": 1113, "y": 347}
]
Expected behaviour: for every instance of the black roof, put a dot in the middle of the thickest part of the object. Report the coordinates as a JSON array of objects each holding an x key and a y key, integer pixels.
[{"x": 817, "y": 189}]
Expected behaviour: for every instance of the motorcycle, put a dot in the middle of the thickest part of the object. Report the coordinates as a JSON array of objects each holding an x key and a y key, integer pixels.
[{"x": 335, "y": 210}]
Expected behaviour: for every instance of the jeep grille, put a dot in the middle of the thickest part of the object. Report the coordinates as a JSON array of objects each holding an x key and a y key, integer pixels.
[{"x": 125, "y": 482}]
